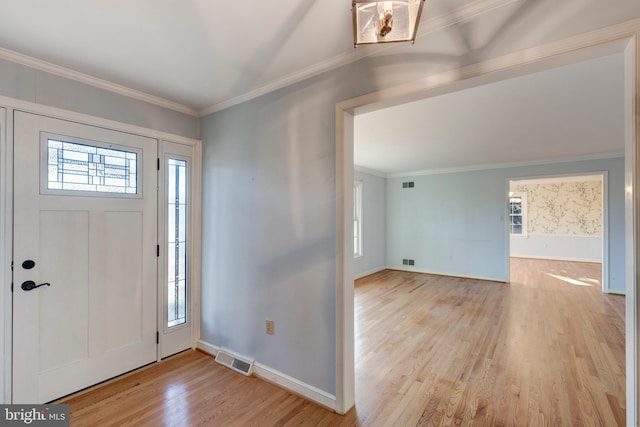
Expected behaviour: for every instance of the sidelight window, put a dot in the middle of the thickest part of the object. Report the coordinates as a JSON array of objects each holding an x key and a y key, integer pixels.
[{"x": 177, "y": 204}]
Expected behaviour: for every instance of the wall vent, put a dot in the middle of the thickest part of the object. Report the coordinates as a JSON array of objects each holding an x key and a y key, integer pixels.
[
  {"x": 408, "y": 262},
  {"x": 409, "y": 184},
  {"x": 238, "y": 364}
]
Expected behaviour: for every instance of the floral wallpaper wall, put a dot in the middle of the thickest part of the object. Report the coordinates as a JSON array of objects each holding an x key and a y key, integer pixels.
[{"x": 563, "y": 208}]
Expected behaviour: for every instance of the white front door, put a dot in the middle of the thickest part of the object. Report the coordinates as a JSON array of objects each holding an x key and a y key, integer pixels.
[{"x": 85, "y": 235}]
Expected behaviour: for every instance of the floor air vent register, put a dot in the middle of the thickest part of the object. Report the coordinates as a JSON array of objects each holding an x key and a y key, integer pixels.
[{"x": 243, "y": 366}]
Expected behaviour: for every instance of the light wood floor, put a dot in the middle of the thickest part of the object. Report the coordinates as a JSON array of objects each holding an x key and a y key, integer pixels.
[{"x": 546, "y": 350}]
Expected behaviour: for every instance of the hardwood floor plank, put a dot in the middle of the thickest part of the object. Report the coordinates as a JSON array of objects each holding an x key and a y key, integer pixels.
[{"x": 546, "y": 349}]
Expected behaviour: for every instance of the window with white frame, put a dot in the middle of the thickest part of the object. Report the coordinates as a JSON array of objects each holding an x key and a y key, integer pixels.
[
  {"x": 357, "y": 219},
  {"x": 518, "y": 213}
]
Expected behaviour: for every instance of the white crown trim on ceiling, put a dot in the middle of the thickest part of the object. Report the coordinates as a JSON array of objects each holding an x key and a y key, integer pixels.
[
  {"x": 462, "y": 14},
  {"x": 491, "y": 166},
  {"x": 77, "y": 76}
]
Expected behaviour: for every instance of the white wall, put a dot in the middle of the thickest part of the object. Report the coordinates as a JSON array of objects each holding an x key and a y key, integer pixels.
[
  {"x": 373, "y": 225},
  {"x": 455, "y": 223},
  {"x": 546, "y": 246}
]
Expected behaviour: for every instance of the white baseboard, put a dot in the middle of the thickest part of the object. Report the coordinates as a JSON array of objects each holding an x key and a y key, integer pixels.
[
  {"x": 208, "y": 348},
  {"x": 281, "y": 380},
  {"x": 295, "y": 386},
  {"x": 367, "y": 273},
  {"x": 440, "y": 273}
]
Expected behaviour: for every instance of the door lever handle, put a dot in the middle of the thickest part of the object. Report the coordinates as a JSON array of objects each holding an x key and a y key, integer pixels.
[{"x": 30, "y": 285}]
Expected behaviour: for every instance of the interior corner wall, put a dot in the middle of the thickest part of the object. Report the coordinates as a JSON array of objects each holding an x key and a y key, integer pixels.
[
  {"x": 27, "y": 84},
  {"x": 373, "y": 225},
  {"x": 269, "y": 223},
  {"x": 268, "y": 234},
  {"x": 455, "y": 223}
]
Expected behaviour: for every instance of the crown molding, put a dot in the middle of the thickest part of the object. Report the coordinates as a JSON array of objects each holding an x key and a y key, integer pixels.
[
  {"x": 314, "y": 70},
  {"x": 462, "y": 14},
  {"x": 77, "y": 76},
  {"x": 573, "y": 177},
  {"x": 368, "y": 171},
  {"x": 489, "y": 166}
]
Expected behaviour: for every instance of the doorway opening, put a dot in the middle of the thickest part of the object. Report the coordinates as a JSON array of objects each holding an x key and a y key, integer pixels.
[
  {"x": 566, "y": 218},
  {"x": 481, "y": 73}
]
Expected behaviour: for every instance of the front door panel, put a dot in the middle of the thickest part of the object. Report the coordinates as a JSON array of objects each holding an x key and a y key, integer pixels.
[{"x": 85, "y": 214}]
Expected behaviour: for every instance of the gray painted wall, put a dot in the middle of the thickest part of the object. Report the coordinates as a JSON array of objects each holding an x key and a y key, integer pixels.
[
  {"x": 454, "y": 223},
  {"x": 269, "y": 233},
  {"x": 27, "y": 84},
  {"x": 269, "y": 193},
  {"x": 269, "y": 179},
  {"x": 373, "y": 225}
]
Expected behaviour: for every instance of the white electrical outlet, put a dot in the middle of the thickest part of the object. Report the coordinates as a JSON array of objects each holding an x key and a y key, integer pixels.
[{"x": 269, "y": 325}]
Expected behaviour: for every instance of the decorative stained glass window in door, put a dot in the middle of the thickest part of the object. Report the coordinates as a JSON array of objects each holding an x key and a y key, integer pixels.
[
  {"x": 82, "y": 167},
  {"x": 177, "y": 242}
]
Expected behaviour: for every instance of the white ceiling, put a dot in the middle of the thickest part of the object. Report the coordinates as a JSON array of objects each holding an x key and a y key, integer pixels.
[
  {"x": 201, "y": 54},
  {"x": 569, "y": 112}
]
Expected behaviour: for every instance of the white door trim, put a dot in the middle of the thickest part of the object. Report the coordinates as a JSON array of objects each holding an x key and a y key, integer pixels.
[
  {"x": 58, "y": 113},
  {"x": 632, "y": 231},
  {"x": 6, "y": 213},
  {"x": 196, "y": 242},
  {"x": 189, "y": 153},
  {"x": 614, "y": 39}
]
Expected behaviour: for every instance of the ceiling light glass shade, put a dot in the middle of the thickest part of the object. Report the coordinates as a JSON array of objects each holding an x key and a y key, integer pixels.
[{"x": 385, "y": 21}]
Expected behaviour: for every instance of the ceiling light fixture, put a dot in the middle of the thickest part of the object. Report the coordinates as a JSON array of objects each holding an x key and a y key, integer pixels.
[{"x": 385, "y": 21}]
